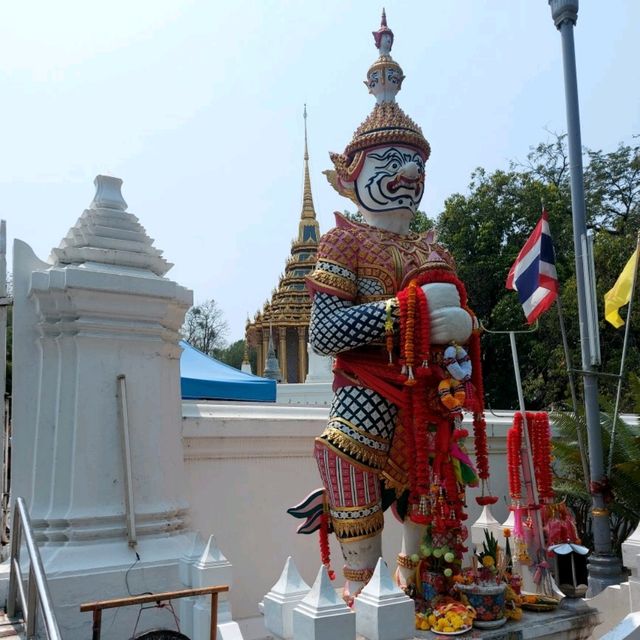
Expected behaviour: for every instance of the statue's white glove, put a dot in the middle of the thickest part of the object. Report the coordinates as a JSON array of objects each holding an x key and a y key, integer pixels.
[{"x": 449, "y": 321}]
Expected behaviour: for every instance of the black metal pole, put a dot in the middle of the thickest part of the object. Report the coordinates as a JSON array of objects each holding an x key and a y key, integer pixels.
[{"x": 604, "y": 567}]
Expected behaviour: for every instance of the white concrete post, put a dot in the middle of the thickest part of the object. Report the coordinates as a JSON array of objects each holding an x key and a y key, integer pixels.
[
  {"x": 99, "y": 309},
  {"x": 383, "y": 610},
  {"x": 631, "y": 560},
  {"x": 322, "y": 614},
  {"x": 190, "y": 557},
  {"x": 284, "y": 597},
  {"x": 210, "y": 570},
  {"x": 630, "y": 551},
  {"x": 320, "y": 367}
]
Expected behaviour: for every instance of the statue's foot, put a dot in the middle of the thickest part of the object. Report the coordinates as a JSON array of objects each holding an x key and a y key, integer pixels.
[
  {"x": 406, "y": 571},
  {"x": 356, "y": 579},
  {"x": 348, "y": 595}
]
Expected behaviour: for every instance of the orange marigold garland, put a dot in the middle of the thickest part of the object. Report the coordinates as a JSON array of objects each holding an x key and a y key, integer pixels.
[
  {"x": 410, "y": 333},
  {"x": 479, "y": 423},
  {"x": 389, "y": 328},
  {"x": 424, "y": 339},
  {"x": 413, "y": 333},
  {"x": 436, "y": 492}
]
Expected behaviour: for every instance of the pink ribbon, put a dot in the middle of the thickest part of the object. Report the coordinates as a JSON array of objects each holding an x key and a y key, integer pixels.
[{"x": 541, "y": 569}]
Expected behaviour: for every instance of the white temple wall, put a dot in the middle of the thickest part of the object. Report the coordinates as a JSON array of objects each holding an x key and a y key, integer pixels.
[{"x": 247, "y": 463}]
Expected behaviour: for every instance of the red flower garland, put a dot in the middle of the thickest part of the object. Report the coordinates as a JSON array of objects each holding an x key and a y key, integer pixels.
[
  {"x": 447, "y": 505},
  {"x": 323, "y": 532},
  {"x": 415, "y": 342},
  {"x": 514, "y": 457},
  {"x": 540, "y": 434}
]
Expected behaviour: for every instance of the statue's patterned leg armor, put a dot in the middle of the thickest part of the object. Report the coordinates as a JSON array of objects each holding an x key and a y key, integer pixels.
[{"x": 350, "y": 454}]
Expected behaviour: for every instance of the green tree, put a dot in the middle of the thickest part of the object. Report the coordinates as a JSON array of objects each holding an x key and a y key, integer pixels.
[
  {"x": 231, "y": 355},
  {"x": 624, "y": 479},
  {"x": 419, "y": 223},
  {"x": 205, "y": 327},
  {"x": 486, "y": 228}
]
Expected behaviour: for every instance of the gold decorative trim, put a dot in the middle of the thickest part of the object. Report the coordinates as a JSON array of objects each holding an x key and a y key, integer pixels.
[
  {"x": 357, "y": 575},
  {"x": 332, "y": 281},
  {"x": 393, "y": 483},
  {"x": 347, "y": 423},
  {"x": 406, "y": 562},
  {"x": 386, "y": 124},
  {"x": 373, "y": 460},
  {"x": 367, "y": 527},
  {"x": 361, "y": 507}
]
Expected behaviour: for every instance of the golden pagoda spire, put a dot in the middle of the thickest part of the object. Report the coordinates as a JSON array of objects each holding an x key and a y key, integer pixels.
[{"x": 308, "y": 210}]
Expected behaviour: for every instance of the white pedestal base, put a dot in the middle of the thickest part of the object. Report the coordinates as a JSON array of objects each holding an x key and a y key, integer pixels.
[
  {"x": 322, "y": 614},
  {"x": 284, "y": 597},
  {"x": 383, "y": 611}
]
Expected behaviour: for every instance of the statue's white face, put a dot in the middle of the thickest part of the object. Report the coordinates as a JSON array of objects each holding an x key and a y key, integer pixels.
[{"x": 391, "y": 181}]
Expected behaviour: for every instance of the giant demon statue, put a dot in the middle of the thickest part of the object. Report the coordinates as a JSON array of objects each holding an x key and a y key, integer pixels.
[{"x": 388, "y": 306}]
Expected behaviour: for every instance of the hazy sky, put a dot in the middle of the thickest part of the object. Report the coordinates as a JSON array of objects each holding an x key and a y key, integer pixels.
[{"x": 197, "y": 106}]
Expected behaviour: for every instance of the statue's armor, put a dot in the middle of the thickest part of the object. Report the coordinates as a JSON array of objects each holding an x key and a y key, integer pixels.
[{"x": 358, "y": 269}]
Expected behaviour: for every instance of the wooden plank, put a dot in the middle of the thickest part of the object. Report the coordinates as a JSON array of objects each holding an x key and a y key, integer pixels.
[{"x": 152, "y": 597}]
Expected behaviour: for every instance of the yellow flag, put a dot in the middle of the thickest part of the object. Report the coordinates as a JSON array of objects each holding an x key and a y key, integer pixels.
[{"x": 620, "y": 294}]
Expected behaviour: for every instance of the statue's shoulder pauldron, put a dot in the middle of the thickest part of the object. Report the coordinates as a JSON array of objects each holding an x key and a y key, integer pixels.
[{"x": 336, "y": 265}]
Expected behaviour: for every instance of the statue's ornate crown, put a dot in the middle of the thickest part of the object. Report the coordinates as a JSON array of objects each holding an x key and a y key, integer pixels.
[{"x": 387, "y": 124}]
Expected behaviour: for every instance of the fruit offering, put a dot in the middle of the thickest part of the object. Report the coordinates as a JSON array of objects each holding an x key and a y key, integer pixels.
[{"x": 448, "y": 616}]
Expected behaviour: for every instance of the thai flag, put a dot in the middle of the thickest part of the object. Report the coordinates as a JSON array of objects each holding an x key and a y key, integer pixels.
[{"x": 533, "y": 275}]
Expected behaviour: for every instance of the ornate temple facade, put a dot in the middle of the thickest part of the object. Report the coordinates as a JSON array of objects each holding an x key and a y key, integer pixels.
[{"x": 286, "y": 315}]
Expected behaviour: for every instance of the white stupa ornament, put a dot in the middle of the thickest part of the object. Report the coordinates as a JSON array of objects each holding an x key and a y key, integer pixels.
[
  {"x": 106, "y": 233},
  {"x": 384, "y": 78}
]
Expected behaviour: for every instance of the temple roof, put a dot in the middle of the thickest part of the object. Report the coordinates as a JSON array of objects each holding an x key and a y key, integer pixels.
[{"x": 290, "y": 304}]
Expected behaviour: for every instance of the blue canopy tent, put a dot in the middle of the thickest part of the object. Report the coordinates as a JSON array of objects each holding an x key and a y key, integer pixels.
[{"x": 205, "y": 378}]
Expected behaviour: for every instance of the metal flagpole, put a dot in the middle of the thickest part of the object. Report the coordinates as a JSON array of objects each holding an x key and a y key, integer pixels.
[
  {"x": 604, "y": 567},
  {"x": 572, "y": 384},
  {"x": 624, "y": 355},
  {"x": 572, "y": 388},
  {"x": 528, "y": 472}
]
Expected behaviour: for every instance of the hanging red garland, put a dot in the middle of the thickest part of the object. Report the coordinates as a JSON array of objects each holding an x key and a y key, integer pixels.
[
  {"x": 514, "y": 457},
  {"x": 445, "y": 508},
  {"x": 541, "y": 451},
  {"x": 323, "y": 532}
]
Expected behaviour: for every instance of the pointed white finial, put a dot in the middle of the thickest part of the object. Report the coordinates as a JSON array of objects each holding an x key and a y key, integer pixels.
[
  {"x": 383, "y": 610},
  {"x": 381, "y": 583},
  {"x": 108, "y": 194},
  {"x": 323, "y": 595},
  {"x": 485, "y": 522},
  {"x": 191, "y": 554},
  {"x": 290, "y": 580},
  {"x": 284, "y": 597},
  {"x": 322, "y": 614},
  {"x": 211, "y": 555}
]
